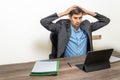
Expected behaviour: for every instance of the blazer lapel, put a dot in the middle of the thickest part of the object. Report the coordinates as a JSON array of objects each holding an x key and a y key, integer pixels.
[
  {"x": 86, "y": 27},
  {"x": 68, "y": 31}
]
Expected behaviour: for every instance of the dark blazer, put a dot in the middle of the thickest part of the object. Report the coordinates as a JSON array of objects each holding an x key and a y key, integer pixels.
[{"x": 61, "y": 32}]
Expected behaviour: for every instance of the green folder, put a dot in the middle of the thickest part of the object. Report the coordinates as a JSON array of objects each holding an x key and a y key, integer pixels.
[{"x": 45, "y": 67}]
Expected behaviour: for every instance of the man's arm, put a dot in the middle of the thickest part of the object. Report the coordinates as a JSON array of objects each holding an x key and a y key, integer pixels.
[
  {"x": 48, "y": 21},
  {"x": 87, "y": 12},
  {"x": 102, "y": 20}
]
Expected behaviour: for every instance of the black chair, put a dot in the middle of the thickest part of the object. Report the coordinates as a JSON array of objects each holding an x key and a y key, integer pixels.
[{"x": 54, "y": 40}]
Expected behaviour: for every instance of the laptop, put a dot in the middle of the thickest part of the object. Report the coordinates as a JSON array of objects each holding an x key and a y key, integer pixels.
[{"x": 96, "y": 60}]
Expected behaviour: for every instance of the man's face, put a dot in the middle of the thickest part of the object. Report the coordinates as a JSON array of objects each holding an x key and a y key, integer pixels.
[{"x": 76, "y": 19}]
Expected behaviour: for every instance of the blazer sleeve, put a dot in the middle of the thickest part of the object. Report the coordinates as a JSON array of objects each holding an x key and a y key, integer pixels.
[
  {"x": 47, "y": 22},
  {"x": 102, "y": 21}
]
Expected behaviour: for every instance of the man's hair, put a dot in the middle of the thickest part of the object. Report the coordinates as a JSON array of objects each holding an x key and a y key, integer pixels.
[{"x": 76, "y": 11}]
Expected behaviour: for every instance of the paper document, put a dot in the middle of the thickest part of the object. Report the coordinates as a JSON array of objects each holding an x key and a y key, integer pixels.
[
  {"x": 48, "y": 67},
  {"x": 114, "y": 59}
]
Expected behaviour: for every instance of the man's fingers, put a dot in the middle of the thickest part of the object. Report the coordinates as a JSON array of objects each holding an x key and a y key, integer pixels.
[{"x": 74, "y": 6}]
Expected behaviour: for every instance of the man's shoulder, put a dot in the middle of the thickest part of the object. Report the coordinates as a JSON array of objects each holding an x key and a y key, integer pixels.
[{"x": 85, "y": 21}]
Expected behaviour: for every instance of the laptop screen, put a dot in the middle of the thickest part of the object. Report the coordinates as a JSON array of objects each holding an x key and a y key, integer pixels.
[
  {"x": 98, "y": 56},
  {"x": 96, "y": 60}
]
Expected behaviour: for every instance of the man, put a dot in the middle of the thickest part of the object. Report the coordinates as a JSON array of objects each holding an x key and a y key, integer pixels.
[{"x": 72, "y": 37}]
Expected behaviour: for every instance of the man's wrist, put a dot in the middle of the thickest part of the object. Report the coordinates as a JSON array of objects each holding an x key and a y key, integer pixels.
[
  {"x": 61, "y": 14},
  {"x": 91, "y": 13}
]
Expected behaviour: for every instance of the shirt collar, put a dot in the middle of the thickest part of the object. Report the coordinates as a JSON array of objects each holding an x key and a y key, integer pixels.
[{"x": 73, "y": 29}]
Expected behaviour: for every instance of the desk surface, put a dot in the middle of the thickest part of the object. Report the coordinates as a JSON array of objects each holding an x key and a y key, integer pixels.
[{"x": 22, "y": 71}]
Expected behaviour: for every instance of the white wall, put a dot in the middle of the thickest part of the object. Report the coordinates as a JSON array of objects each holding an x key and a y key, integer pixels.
[{"x": 23, "y": 39}]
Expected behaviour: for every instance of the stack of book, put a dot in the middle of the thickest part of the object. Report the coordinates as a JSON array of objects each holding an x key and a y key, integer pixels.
[{"x": 45, "y": 67}]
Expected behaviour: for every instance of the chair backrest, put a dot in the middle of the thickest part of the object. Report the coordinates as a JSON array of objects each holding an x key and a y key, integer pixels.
[
  {"x": 54, "y": 40},
  {"x": 96, "y": 37}
]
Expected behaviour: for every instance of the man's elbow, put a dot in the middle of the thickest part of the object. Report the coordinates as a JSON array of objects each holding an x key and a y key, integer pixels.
[
  {"x": 42, "y": 22},
  {"x": 107, "y": 20}
]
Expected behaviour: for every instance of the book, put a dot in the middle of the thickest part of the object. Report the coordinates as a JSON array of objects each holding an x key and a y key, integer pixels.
[{"x": 45, "y": 67}]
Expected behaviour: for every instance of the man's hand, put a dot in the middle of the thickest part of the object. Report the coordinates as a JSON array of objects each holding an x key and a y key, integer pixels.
[
  {"x": 87, "y": 12},
  {"x": 67, "y": 11}
]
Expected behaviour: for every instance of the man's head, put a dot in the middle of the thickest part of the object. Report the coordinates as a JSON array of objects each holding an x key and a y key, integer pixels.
[{"x": 76, "y": 17}]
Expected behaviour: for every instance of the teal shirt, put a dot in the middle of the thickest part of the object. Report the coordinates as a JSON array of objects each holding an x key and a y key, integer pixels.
[{"x": 77, "y": 44}]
